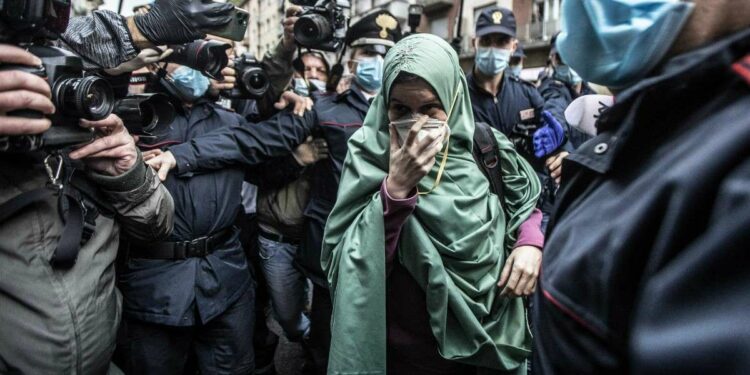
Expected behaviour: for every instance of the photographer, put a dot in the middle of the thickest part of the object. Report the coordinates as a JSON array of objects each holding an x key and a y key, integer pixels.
[{"x": 60, "y": 309}]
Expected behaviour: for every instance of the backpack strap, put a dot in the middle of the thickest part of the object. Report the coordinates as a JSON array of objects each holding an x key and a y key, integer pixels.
[{"x": 487, "y": 155}]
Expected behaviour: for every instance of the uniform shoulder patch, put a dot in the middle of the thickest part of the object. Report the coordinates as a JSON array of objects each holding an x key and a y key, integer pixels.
[{"x": 742, "y": 68}]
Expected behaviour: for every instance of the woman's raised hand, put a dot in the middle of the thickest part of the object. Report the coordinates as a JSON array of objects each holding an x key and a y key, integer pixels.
[{"x": 412, "y": 160}]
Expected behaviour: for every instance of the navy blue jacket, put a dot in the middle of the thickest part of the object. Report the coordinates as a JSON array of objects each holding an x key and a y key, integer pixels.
[
  {"x": 645, "y": 267},
  {"x": 193, "y": 290},
  {"x": 515, "y": 111},
  {"x": 334, "y": 118},
  {"x": 557, "y": 97}
]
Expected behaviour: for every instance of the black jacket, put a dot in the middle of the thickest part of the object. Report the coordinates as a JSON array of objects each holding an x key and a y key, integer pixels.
[
  {"x": 334, "y": 118},
  {"x": 170, "y": 291},
  {"x": 645, "y": 269}
]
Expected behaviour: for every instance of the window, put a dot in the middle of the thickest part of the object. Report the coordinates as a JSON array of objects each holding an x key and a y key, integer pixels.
[{"x": 439, "y": 27}]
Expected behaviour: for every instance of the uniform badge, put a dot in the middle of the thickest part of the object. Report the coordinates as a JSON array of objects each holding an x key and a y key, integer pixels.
[
  {"x": 527, "y": 114},
  {"x": 385, "y": 22},
  {"x": 497, "y": 17}
]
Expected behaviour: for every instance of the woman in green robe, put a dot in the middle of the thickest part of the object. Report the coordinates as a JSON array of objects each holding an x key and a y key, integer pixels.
[{"x": 423, "y": 261}]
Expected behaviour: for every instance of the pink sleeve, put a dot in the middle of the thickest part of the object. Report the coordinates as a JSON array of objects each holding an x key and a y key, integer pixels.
[
  {"x": 530, "y": 232},
  {"x": 395, "y": 213}
]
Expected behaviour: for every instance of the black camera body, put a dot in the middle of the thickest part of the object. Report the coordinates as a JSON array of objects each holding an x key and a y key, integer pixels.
[
  {"x": 31, "y": 24},
  {"x": 74, "y": 95},
  {"x": 27, "y": 20},
  {"x": 206, "y": 56},
  {"x": 252, "y": 80},
  {"x": 322, "y": 25}
]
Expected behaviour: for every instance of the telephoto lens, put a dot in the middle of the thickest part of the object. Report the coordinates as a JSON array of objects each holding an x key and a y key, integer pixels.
[
  {"x": 312, "y": 30},
  {"x": 206, "y": 56},
  {"x": 89, "y": 97},
  {"x": 143, "y": 113}
]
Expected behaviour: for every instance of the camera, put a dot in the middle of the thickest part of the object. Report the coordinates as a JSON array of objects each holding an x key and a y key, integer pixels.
[
  {"x": 143, "y": 113},
  {"x": 322, "y": 24},
  {"x": 207, "y": 56},
  {"x": 252, "y": 80},
  {"x": 30, "y": 24}
]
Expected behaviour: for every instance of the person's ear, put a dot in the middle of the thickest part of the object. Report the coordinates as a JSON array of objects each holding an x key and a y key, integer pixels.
[
  {"x": 351, "y": 65},
  {"x": 514, "y": 46},
  {"x": 475, "y": 43}
]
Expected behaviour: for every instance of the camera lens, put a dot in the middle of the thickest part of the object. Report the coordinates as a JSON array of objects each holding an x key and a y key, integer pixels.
[
  {"x": 90, "y": 97},
  {"x": 312, "y": 29},
  {"x": 255, "y": 81}
]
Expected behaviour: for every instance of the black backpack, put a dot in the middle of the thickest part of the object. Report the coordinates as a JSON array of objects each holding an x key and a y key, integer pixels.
[{"x": 487, "y": 155}]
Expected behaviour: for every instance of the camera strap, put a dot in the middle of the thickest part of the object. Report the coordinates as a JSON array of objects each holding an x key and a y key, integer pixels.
[{"x": 78, "y": 215}]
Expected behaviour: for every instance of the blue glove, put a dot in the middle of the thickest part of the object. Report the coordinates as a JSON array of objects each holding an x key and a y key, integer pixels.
[{"x": 548, "y": 138}]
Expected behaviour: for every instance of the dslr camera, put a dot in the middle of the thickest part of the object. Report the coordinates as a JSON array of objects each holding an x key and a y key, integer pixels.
[
  {"x": 252, "y": 80},
  {"x": 322, "y": 24},
  {"x": 31, "y": 24}
]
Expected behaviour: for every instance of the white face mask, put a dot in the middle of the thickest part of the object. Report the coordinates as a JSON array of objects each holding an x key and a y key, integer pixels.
[{"x": 432, "y": 127}]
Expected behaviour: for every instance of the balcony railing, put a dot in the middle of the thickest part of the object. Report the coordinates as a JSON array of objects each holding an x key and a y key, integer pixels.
[{"x": 538, "y": 31}]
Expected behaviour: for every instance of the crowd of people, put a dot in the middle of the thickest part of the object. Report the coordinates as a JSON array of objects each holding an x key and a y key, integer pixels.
[{"x": 404, "y": 217}]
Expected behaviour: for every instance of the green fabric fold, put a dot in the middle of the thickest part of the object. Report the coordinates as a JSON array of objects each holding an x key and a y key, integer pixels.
[{"x": 454, "y": 244}]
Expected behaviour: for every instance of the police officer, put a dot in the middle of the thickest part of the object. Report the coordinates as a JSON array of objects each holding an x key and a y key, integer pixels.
[
  {"x": 559, "y": 87},
  {"x": 504, "y": 101},
  {"x": 335, "y": 117},
  {"x": 515, "y": 66}
]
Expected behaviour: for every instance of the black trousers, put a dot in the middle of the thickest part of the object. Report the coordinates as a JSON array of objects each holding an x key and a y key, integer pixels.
[
  {"x": 320, "y": 328},
  {"x": 222, "y": 346}
]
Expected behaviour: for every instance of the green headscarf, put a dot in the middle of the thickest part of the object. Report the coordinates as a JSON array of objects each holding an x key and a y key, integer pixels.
[{"x": 454, "y": 244}]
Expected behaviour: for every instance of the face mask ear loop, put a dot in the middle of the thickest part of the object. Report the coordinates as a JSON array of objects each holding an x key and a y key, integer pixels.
[{"x": 444, "y": 161}]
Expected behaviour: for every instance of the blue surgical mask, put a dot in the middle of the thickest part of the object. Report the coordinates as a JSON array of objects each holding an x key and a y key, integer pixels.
[
  {"x": 616, "y": 43},
  {"x": 318, "y": 84},
  {"x": 567, "y": 75},
  {"x": 300, "y": 87},
  {"x": 515, "y": 70},
  {"x": 492, "y": 61},
  {"x": 369, "y": 73},
  {"x": 190, "y": 83}
]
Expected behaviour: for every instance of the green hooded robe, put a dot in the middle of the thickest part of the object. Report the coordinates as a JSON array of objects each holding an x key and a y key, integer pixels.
[{"x": 454, "y": 244}]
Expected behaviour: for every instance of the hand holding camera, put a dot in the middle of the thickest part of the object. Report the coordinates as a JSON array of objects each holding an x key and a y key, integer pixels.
[
  {"x": 227, "y": 83},
  {"x": 113, "y": 153},
  {"x": 22, "y": 91}
]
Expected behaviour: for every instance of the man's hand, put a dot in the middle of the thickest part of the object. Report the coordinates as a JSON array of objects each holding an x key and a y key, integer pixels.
[
  {"x": 19, "y": 90},
  {"x": 162, "y": 162},
  {"x": 520, "y": 273},
  {"x": 145, "y": 57},
  {"x": 288, "y": 23},
  {"x": 311, "y": 151},
  {"x": 180, "y": 21},
  {"x": 112, "y": 154},
  {"x": 554, "y": 165},
  {"x": 301, "y": 103},
  {"x": 230, "y": 78}
]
